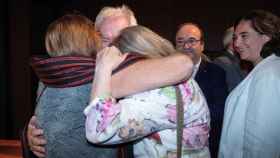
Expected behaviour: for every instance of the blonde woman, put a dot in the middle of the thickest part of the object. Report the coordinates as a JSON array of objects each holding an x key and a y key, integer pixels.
[
  {"x": 65, "y": 80},
  {"x": 150, "y": 116}
]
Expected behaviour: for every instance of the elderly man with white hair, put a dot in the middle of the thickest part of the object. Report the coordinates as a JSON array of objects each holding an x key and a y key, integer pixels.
[
  {"x": 109, "y": 22},
  {"x": 229, "y": 61}
]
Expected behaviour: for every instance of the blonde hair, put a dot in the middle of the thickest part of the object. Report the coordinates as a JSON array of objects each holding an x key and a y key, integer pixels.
[
  {"x": 110, "y": 12},
  {"x": 139, "y": 39},
  {"x": 72, "y": 34}
]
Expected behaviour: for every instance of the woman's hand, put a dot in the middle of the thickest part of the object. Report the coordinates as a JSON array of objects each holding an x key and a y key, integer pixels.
[{"x": 109, "y": 59}]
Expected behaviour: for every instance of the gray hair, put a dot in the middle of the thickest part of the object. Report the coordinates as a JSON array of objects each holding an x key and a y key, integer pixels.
[
  {"x": 108, "y": 12},
  {"x": 228, "y": 36}
]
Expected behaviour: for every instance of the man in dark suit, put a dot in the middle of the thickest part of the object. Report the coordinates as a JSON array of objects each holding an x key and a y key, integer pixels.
[{"x": 210, "y": 77}]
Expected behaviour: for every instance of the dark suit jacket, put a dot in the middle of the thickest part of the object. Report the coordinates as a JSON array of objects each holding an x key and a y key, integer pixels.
[
  {"x": 212, "y": 80},
  {"x": 231, "y": 65}
]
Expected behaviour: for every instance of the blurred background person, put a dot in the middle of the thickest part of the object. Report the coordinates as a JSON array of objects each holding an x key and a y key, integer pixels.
[{"x": 229, "y": 61}]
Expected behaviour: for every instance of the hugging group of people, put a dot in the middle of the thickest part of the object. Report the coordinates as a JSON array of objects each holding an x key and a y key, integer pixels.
[{"x": 114, "y": 82}]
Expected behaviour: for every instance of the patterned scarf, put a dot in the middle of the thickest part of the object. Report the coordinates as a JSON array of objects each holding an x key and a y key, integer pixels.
[{"x": 69, "y": 71}]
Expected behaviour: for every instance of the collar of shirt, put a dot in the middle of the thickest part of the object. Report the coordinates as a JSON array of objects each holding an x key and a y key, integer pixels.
[{"x": 196, "y": 67}]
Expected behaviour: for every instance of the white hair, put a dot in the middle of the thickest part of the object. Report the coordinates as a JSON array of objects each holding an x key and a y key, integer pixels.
[
  {"x": 228, "y": 36},
  {"x": 109, "y": 12}
]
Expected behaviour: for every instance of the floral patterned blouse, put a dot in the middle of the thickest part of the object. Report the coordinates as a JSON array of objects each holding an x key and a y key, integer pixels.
[{"x": 150, "y": 117}]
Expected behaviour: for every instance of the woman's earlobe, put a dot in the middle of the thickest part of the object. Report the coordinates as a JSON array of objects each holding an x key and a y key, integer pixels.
[{"x": 266, "y": 38}]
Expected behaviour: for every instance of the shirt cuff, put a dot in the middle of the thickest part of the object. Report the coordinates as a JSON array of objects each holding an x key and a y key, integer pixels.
[
  {"x": 92, "y": 104},
  {"x": 96, "y": 101}
]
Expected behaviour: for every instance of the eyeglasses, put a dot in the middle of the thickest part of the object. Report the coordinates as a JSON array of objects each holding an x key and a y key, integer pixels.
[{"x": 190, "y": 42}]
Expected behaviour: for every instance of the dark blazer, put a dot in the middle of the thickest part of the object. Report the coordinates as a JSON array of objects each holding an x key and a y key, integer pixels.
[
  {"x": 231, "y": 64},
  {"x": 212, "y": 80}
]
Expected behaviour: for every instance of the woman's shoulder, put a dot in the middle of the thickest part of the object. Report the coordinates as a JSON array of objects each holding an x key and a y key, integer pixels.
[{"x": 269, "y": 67}]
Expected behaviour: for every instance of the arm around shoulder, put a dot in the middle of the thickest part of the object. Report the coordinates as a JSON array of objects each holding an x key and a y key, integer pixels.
[{"x": 152, "y": 73}]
